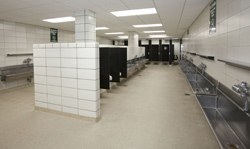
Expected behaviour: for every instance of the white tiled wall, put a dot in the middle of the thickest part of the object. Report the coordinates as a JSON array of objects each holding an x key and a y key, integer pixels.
[
  {"x": 66, "y": 83},
  {"x": 231, "y": 41},
  {"x": 19, "y": 38}
]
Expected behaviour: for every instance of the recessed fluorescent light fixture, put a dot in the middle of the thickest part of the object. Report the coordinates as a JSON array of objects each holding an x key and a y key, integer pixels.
[
  {"x": 60, "y": 20},
  {"x": 157, "y": 36},
  {"x": 101, "y": 28},
  {"x": 134, "y": 12},
  {"x": 154, "y": 31},
  {"x": 114, "y": 33},
  {"x": 147, "y": 25},
  {"x": 124, "y": 37}
]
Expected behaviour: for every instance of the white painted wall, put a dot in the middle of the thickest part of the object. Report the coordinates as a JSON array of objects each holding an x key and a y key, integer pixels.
[{"x": 231, "y": 41}]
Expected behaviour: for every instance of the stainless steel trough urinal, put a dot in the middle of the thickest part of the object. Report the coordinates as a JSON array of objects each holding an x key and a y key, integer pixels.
[
  {"x": 17, "y": 72},
  {"x": 230, "y": 124}
]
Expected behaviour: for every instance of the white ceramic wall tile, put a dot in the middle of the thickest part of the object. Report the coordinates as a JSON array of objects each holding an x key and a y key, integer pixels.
[
  {"x": 69, "y": 83},
  {"x": 223, "y": 27},
  {"x": 70, "y": 110},
  {"x": 244, "y": 53},
  {"x": 41, "y": 104},
  {"x": 92, "y": 45},
  {"x": 68, "y": 63},
  {"x": 87, "y": 52},
  {"x": 72, "y": 45},
  {"x": 234, "y": 38},
  {"x": 68, "y": 52},
  {"x": 90, "y": 36},
  {"x": 54, "y": 107},
  {"x": 53, "y": 62},
  {"x": 39, "y": 52},
  {"x": 55, "y": 99},
  {"x": 80, "y": 45},
  {"x": 40, "y": 88},
  {"x": 89, "y": 95},
  {"x": 80, "y": 36},
  {"x": 64, "y": 45},
  {"x": 80, "y": 20},
  {"x": 41, "y": 97},
  {"x": 69, "y": 92},
  {"x": 234, "y": 22},
  {"x": 88, "y": 84},
  {"x": 54, "y": 81},
  {"x": 80, "y": 27},
  {"x": 244, "y": 18},
  {"x": 40, "y": 79},
  {"x": 234, "y": 7},
  {"x": 52, "y": 71},
  {"x": 245, "y": 36},
  {"x": 69, "y": 102},
  {"x": 88, "y": 74},
  {"x": 56, "y": 45},
  {"x": 40, "y": 70},
  {"x": 89, "y": 105},
  {"x": 53, "y": 52},
  {"x": 244, "y": 4},
  {"x": 69, "y": 73},
  {"x": 88, "y": 63},
  {"x": 89, "y": 113},
  {"x": 54, "y": 90}
]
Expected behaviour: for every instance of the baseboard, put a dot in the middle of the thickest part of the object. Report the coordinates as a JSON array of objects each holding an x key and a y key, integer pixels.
[{"x": 79, "y": 117}]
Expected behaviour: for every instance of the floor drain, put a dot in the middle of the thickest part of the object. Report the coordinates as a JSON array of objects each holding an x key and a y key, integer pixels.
[
  {"x": 124, "y": 85},
  {"x": 232, "y": 146},
  {"x": 186, "y": 94}
]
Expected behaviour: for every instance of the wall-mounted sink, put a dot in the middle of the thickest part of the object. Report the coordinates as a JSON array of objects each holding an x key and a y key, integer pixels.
[
  {"x": 16, "y": 72},
  {"x": 223, "y": 109}
]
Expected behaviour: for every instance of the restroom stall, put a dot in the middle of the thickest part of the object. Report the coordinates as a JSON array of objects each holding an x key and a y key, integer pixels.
[
  {"x": 113, "y": 65},
  {"x": 165, "y": 52},
  {"x": 159, "y": 50}
]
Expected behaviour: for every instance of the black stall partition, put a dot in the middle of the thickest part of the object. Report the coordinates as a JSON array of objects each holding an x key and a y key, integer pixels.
[
  {"x": 123, "y": 62},
  {"x": 104, "y": 67},
  {"x": 114, "y": 54},
  {"x": 113, "y": 62}
]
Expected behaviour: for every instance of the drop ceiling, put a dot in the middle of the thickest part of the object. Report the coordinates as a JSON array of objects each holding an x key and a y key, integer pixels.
[{"x": 175, "y": 15}]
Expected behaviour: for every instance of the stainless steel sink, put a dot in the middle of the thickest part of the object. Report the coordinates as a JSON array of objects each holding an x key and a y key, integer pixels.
[
  {"x": 221, "y": 107},
  {"x": 16, "y": 72},
  {"x": 200, "y": 85},
  {"x": 230, "y": 125}
]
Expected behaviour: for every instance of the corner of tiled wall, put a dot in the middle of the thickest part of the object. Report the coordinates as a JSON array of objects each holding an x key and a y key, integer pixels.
[{"x": 67, "y": 78}]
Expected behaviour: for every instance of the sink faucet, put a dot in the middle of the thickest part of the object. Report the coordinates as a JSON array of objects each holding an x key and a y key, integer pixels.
[
  {"x": 202, "y": 66},
  {"x": 27, "y": 61},
  {"x": 244, "y": 90}
]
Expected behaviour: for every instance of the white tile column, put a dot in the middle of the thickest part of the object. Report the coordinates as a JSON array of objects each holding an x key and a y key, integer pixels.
[
  {"x": 133, "y": 39},
  {"x": 85, "y": 25}
]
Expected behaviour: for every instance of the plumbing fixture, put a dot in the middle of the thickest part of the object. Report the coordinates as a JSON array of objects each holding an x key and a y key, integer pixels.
[
  {"x": 27, "y": 60},
  {"x": 202, "y": 66},
  {"x": 191, "y": 60},
  {"x": 244, "y": 90}
]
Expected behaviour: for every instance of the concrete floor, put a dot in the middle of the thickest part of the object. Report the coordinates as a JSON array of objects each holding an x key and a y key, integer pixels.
[{"x": 149, "y": 111}]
